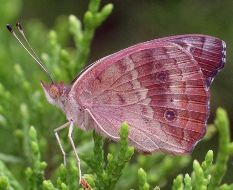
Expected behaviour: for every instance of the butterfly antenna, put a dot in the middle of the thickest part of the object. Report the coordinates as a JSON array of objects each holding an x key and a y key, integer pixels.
[
  {"x": 20, "y": 29},
  {"x": 32, "y": 52}
]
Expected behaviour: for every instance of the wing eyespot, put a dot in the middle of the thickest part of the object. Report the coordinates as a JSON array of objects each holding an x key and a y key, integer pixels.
[{"x": 170, "y": 115}]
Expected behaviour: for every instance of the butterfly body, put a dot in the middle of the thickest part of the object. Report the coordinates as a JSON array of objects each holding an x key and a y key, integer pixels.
[{"x": 160, "y": 88}]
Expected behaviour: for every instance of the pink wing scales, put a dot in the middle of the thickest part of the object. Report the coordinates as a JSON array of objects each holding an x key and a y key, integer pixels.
[
  {"x": 158, "y": 88},
  {"x": 208, "y": 51}
]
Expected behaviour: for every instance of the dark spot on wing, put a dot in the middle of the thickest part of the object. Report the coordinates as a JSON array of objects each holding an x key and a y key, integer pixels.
[
  {"x": 170, "y": 115},
  {"x": 121, "y": 98},
  {"x": 162, "y": 76},
  {"x": 99, "y": 79}
]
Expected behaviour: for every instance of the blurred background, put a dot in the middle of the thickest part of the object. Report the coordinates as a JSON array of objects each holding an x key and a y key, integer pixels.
[{"x": 130, "y": 22}]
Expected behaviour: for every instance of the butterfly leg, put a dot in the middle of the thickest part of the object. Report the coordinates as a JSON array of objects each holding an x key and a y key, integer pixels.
[
  {"x": 75, "y": 151},
  {"x": 58, "y": 139}
]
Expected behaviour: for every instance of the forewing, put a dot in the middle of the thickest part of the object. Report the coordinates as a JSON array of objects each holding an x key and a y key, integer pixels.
[
  {"x": 158, "y": 88},
  {"x": 208, "y": 51}
]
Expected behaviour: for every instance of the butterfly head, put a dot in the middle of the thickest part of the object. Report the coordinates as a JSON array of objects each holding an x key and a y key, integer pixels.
[{"x": 56, "y": 93}]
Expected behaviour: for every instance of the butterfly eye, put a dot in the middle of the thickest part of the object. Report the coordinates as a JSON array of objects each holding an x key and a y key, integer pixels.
[{"x": 54, "y": 92}]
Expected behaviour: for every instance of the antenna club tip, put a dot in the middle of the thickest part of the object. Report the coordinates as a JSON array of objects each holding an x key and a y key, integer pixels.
[
  {"x": 9, "y": 27},
  {"x": 18, "y": 25}
]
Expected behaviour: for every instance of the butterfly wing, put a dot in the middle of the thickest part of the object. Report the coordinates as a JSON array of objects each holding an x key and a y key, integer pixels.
[
  {"x": 208, "y": 51},
  {"x": 157, "y": 87}
]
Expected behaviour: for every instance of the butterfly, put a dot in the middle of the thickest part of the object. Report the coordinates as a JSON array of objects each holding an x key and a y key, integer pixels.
[{"x": 159, "y": 87}]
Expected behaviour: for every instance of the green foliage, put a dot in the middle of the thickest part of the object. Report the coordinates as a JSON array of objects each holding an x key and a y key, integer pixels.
[
  {"x": 142, "y": 180},
  {"x": 67, "y": 177},
  {"x": 35, "y": 174},
  {"x": 107, "y": 173},
  {"x": 117, "y": 162},
  {"x": 106, "y": 166},
  {"x": 7, "y": 180},
  {"x": 92, "y": 19}
]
